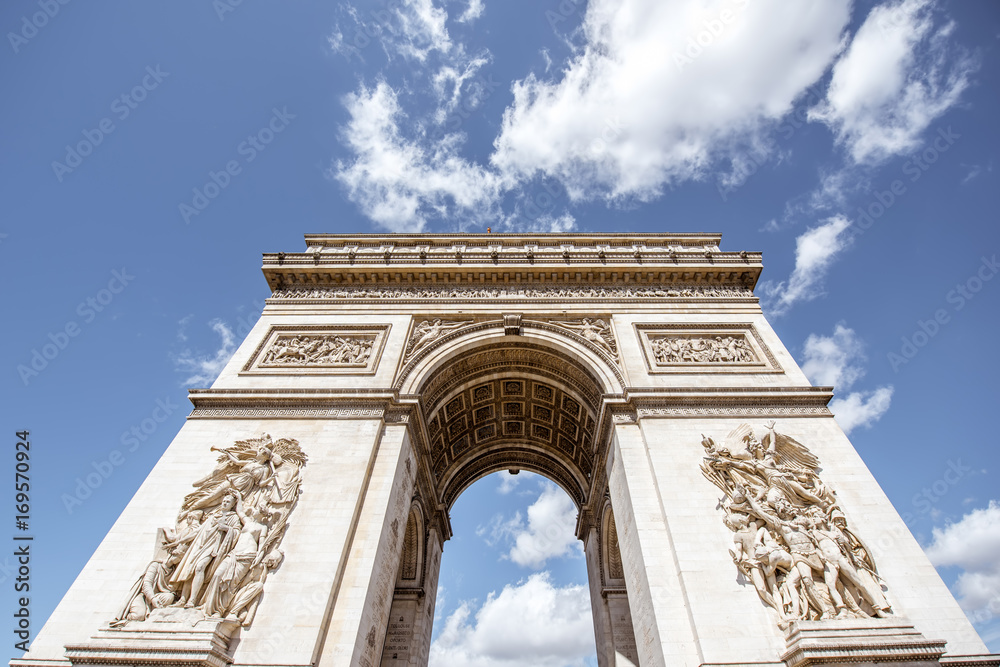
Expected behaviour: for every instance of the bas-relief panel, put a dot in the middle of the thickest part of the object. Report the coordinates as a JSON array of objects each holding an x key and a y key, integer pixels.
[
  {"x": 215, "y": 561},
  {"x": 704, "y": 348},
  {"x": 318, "y": 350},
  {"x": 791, "y": 539}
]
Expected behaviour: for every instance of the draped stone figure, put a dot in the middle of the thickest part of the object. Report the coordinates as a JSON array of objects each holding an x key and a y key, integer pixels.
[
  {"x": 226, "y": 538},
  {"x": 792, "y": 540}
]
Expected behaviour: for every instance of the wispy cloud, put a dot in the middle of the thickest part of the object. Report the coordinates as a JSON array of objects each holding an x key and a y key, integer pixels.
[
  {"x": 815, "y": 251},
  {"x": 548, "y": 533},
  {"x": 838, "y": 361},
  {"x": 398, "y": 182},
  {"x": 204, "y": 368},
  {"x": 897, "y": 76}
]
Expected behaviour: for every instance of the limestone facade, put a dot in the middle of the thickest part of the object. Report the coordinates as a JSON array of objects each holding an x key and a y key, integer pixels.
[{"x": 406, "y": 367}]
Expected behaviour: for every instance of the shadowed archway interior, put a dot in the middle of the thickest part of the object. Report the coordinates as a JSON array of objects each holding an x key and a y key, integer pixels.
[{"x": 514, "y": 407}]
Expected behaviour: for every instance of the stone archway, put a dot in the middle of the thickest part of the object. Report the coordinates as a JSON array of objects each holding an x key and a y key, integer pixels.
[
  {"x": 409, "y": 365},
  {"x": 535, "y": 401}
]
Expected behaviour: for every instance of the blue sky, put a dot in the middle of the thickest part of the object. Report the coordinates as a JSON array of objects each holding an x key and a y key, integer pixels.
[{"x": 151, "y": 152}]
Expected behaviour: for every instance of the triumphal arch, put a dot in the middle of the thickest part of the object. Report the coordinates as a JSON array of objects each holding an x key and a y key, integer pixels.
[{"x": 299, "y": 516}]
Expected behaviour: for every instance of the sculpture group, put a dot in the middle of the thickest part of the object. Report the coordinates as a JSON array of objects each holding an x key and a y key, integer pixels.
[
  {"x": 685, "y": 350},
  {"x": 791, "y": 538},
  {"x": 225, "y": 541},
  {"x": 329, "y": 350}
]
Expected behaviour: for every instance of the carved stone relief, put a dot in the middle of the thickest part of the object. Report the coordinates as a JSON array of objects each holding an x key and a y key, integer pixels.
[
  {"x": 706, "y": 348},
  {"x": 217, "y": 557},
  {"x": 322, "y": 350},
  {"x": 515, "y": 292},
  {"x": 593, "y": 330},
  {"x": 701, "y": 350},
  {"x": 427, "y": 332},
  {"x": 791, "y": 538},
  {"x": 615, "y": 570},
  {"x": 317, "y": 349}
]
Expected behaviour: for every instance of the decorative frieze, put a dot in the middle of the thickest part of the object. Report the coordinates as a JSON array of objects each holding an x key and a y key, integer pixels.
[
  {"x": 706, "y": 348},
  {"x": 318, "y": 350},
  {"x": 511, "y": 293}
]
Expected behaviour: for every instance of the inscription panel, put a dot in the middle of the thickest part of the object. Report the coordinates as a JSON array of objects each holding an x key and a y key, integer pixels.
[
  {"x": 399, "y": 633},
  {"x": 622, "y": 633}
]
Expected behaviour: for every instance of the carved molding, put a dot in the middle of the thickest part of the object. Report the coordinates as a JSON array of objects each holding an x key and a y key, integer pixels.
[
  {"x": 340, "y": 412},
  {"x": 734, "y": 410},
  {"x": 521, "y": 459},
  {"x": 290, "y": 349},
  {"x": 512, "y": 292},
  {"x": 862, "y": 641}
]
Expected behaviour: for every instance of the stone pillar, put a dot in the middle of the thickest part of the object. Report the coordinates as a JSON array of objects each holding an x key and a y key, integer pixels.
[
  {"x": 598, "y": 602},
  {"x": 423, "y": 624},
  {"x": 356, "y": 632},
  {"x": 664, "y": 632},
  {"x": 408, "y": 635}
]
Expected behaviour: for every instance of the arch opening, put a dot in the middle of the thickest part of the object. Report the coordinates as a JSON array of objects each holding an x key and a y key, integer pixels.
[
  {"x": 511, "y": 405},
  {"x": 514, "y": 568}
]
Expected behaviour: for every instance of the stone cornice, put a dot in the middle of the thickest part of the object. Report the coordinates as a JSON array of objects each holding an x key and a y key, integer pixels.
[
  {"x": 645, "y": 402},
  {"x": 492, "y": 259}
]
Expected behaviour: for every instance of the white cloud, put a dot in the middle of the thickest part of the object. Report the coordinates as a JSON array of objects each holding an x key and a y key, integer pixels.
[
  {"x": 449, "y": 81},
  {"x": 861, "y": 408},
  {"x": 399, "y": 183},
  {"x": 660, "y": 91},
  {"x": 531, "y": 623},
  {"x": 205, "y": 368},
  {"x": 508, "y": 482},
  {"x": 815, "y": 251},
  {"x": 833, "y": 360},
  {"x": 420, "y": 29},
  {"x": 544, "y": 223},
  {"x": 549, "y": 532},
  {"x": 897, "y": 76},
  {"x": 973, "y": 544},
  {"x": 472, "y": 12},
  {"x": 837, "y": 361}
]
